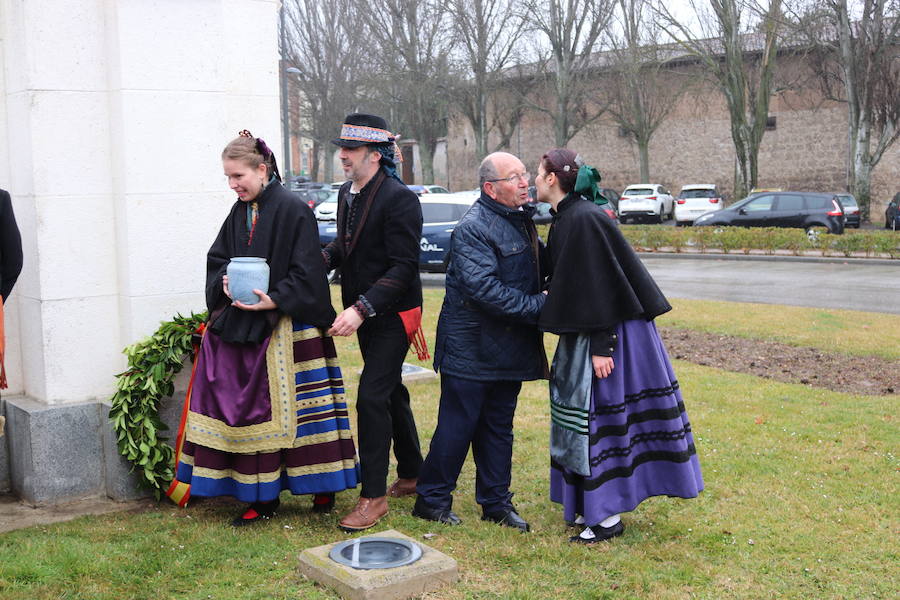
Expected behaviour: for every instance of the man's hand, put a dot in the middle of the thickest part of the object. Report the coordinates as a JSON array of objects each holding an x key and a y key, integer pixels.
[
  {"x": 265, "y": 302},
  {"x": 346, "y": 323},
  {"x": 603, "y": 366}
]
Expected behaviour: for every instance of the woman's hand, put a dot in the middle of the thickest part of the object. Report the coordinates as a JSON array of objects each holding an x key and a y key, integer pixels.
[
  {"x": 603, "y": 366},
  {"x": 265, "y": 302},
  {"x": 225, "y": 285}
]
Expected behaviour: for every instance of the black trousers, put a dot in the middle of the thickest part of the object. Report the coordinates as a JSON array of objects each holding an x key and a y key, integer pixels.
[
  {"x": 477, "y": 414},
  {"x": 382, "y": 406}
]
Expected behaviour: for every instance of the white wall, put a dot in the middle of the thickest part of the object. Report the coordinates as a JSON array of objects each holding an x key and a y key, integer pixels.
[{"x": 119, "y": 111}]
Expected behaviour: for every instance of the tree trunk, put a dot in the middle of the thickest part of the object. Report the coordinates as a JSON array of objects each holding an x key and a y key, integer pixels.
[
  {"x": 644, "y": 156},
  {"x": 861, "y": 183},
  {"x": 327, "y": 151},
  {"x": 314, "y": 163},
  {"x": 426, "y": 160}
]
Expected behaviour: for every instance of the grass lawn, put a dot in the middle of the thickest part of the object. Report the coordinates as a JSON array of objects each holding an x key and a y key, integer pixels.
[{"x": 800, "y": 502}]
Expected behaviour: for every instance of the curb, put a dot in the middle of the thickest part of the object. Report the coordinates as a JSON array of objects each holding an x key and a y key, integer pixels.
[{"x": 842, "y": 260}]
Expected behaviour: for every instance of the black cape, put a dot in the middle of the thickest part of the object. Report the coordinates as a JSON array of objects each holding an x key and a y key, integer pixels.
[
  {"x": 287, "y": 237},
  {"x": 597, "y": 278}
]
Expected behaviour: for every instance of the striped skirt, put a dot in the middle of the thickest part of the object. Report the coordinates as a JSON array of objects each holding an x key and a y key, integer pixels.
[
  {"x": 268, "y": 417},
  {"x": 640, "y": 441}
]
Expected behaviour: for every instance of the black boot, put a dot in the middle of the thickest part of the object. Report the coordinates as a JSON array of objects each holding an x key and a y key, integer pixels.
[{"x": 323, "y": 503}]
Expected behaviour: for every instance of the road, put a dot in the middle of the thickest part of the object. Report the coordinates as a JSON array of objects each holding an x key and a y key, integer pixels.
[{"x": 855, "y": 285}]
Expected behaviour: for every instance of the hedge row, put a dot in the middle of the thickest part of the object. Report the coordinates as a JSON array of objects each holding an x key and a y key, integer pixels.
[{"x": 765, "y": 240}]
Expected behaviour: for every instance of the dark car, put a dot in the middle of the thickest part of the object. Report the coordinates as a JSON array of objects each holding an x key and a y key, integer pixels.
[
  {"x": 612, "y": 209},
  {"x": 804, "y": 210},
  {"x": 440, "y": 213},
  {"x": 303, "y": 183},
  {"x": 542, "y": 209},
  {"x": 313, "y": 197},
  {"x": 851, "y": 210},
  {"x": 892, "y": 214}
]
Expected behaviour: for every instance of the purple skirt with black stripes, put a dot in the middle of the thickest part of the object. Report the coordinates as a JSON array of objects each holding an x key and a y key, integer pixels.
[{"x": 640, "y": 437}]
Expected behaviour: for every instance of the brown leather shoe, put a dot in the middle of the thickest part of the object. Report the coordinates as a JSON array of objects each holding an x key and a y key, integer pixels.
[
  {"x": 403, "y": 487},
  {"x": 367, "y": 512}
]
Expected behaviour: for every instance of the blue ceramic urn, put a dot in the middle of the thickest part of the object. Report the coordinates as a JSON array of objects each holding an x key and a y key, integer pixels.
[{"x": 245, "y": 274}]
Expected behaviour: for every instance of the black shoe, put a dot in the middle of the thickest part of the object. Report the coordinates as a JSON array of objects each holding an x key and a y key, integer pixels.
[
  {"x": 446, "y": 516},
  {"x": 600, "y": 534},
  {"x": 257, "y": 511},
  {"x": 323, "y": 503},
  {"x": 509, "y": 518}
]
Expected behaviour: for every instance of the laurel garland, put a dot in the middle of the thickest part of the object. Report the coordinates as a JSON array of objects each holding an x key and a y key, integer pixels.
[{"x": 152, "y": 366}]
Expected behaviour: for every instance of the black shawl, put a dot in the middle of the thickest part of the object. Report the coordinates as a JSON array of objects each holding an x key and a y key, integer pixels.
[
  {"x": 598, "y": 280},
  {"x": 287, "y": 237}
]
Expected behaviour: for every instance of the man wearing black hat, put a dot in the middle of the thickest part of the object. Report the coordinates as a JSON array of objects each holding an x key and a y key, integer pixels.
[{"x": 379, "y": 226}]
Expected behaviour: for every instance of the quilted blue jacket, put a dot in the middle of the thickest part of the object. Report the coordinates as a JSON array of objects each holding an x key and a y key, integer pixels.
[{"x": 487, "y": 329}]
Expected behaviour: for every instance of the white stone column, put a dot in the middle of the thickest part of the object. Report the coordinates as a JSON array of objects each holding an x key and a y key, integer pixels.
[{"x": 114, "y": 115}]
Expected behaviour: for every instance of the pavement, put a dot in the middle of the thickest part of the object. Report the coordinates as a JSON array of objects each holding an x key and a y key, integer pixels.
[{"x": 18, "y": 515}]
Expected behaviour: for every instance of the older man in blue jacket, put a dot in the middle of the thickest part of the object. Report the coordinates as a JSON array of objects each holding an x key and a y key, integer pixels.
[{"x": 488, "y": 343}]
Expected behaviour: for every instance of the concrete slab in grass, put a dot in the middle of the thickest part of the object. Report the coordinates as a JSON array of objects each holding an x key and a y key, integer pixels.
[{"x": 434, "y": 570}]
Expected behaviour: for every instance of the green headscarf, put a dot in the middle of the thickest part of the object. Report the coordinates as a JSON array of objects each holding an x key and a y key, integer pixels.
[{"x": 586, "y": 185}]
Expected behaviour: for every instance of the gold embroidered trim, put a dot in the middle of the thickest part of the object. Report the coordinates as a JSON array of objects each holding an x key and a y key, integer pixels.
[{"x": 280, "y": 431}]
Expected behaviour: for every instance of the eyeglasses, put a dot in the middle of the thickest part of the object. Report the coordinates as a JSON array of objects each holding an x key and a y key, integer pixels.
[{"x": 513, "y": 178}]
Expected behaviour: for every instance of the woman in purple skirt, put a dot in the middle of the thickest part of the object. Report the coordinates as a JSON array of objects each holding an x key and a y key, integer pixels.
[
  {"x": 619, "y": 430},
  {"x": 267, "y": 409}
]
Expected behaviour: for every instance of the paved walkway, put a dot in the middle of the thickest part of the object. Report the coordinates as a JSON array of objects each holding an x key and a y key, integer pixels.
[{"x": 16, "y": 515}]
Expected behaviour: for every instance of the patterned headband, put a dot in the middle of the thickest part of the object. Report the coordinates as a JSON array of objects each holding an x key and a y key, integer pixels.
[{"x": 369, "y": 135}]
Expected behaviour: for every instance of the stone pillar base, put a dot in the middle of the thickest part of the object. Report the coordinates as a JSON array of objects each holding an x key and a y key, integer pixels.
[{"x": 59, "y": 453}]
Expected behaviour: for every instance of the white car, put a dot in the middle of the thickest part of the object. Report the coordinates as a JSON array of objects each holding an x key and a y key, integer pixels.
[
  {"x": 327, "y": 209},
  {"x": 697, "y": 199},
  {"x": 646, "y": 201}
]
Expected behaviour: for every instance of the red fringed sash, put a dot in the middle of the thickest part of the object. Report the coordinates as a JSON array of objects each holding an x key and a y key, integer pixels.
[
  {"x": 412, "y": 323},
  {"x": 180, "y": 492},
  {"x": 2, "y": 348}
]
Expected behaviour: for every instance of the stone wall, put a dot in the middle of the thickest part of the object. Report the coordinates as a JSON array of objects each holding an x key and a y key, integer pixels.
[{"x": 807, "y": 150}]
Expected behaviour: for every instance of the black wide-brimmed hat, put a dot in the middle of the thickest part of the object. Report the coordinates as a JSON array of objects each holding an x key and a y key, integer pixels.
[{"x": 360, "y": 129}]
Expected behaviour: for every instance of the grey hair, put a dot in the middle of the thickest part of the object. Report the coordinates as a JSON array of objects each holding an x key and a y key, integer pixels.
[{"x": 487, "y": 171}]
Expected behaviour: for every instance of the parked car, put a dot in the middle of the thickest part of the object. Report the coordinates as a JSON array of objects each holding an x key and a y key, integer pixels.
[
  {"x": 851, "y": 210},
  {"x": 542, "y": 209},
  {"x": 805, "y": 210},
  {"x": 541, "y": 212},
  {"x": 646, "y": 201},
  {"x": 313, "y": 197},
  {"x": 327, "y": 209},
  {"x": 696, "y": 199},
  {"x": 303, "y": 183},
  {"x": 474, "y": 194},
  {"x": 440, "y": 213},
  {"x": 612, "y": 209},
  {"x": 428, "y": 189},
  {"x": 892, "y": 214}
]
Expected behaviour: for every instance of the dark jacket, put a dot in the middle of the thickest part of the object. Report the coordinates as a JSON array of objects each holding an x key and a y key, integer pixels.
[
  {"x": 597, "y": 279},
  {"x": 487, "y": 329},
  {"x": 286, "y": 235},
  {"x": 10, "y": 246},
  {"x": 377, "y": 245}
]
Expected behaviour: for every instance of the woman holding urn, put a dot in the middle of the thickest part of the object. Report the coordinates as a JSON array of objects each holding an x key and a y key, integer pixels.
[{"x": 267, "y": 411}]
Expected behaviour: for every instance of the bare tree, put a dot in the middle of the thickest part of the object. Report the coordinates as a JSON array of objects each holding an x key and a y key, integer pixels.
[
  {"x": 412, "y": 49},
  {"x": 741, "y": 56},
  {"x": 328, "y": 57},
  {"x": 642, "y": 90},
  {"x": 859, "y": 63},
  {"x": 488, "y": 32},
  {"x": 571, "y": 29}
]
